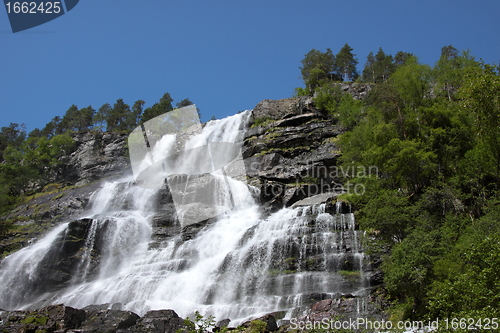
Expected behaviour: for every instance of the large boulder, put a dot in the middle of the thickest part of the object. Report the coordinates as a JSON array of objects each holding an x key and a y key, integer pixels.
[
  {"x": 158, "y": 321},
  {"x": 108, "y": 321}
]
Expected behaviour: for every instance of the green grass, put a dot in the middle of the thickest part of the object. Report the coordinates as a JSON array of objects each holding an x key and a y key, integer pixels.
[{"x": 261, "y": 121}]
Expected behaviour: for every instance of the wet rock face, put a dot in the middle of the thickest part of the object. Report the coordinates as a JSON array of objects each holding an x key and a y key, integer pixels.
[
  {"x": 99, "y": 155},
  {"x": 343, "y": 308},
  {"x": 292, "y": 154},
  {"x": 57, "y": 268}
]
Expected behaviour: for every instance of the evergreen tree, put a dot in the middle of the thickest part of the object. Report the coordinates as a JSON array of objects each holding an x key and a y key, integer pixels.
[
  {"x": 69, "y": 120},
  {"x": 183, "y": 103},
  {"x": 122, "y": 116},
  {"x": 137, "y": 110},
  {"x": 316, "y": 67},
  {"x": 449, "y": 70},
  {"x": 378, "y": 68},
  {"x": 163, "y": 106},
  {"x": 84, "y": 118},
  {"x": 369, "y": 70},
  {"x": 345, "y": 64},
  {"x": 401, "y": 58},
  {"x": 384, "y": 66},
  {"x": 103, "y": 117},
  {"x": 36, "y": 133},
  {"x": 117, "y": 118},
  {"x": 99, "y": 120},
  {"x": 51, "y": 127}
]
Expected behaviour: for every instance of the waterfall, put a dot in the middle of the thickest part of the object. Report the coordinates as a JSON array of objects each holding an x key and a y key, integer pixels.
[{"x": 238, "y": 266}]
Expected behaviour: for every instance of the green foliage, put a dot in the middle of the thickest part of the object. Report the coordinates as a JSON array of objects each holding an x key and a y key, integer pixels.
[
  {"x": 12, "y": 135},
  {"x": 432, "y": 212},
  {"x": 480, "y": 96},
  {"x": 350, "y": 111},
  {"x": 30, "y": 162},
  {"x": 316, "y": 67},
  {"x": 119, "y": 117},
  {"x": 34, "y": 162},
  {"x": 449, "y": 71},
  {"x": 302, "y": 92},
  {"x": 412, "y": 82},
  {"x": 5, "y": 226},
  {"x": 345, "y": 64},
  {"x": 380, "y": 67},
  {"x": 327, "y": 97},
  {"x": 262, "y": 121},
  {"x": 467, "y": 283},
  {"x": 76, "y": 120},
  {"x": 200, "y": 324},
  {"x": 320, "y": 68},
  {"x": 409, "y": 268},
  {"x": 257, "y": 326},
  {"x": 35, "y": 319}
]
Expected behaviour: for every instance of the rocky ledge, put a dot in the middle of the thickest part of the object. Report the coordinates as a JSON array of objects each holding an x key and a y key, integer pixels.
[
  {"x": 107, "y": 318},
  {"x": 290, "y": 153}
]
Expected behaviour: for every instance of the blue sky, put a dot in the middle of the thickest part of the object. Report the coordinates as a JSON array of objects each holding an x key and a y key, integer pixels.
[{"x": 225, "y": 56}]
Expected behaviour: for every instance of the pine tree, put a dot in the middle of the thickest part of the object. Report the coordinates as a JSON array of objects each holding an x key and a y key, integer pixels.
[
  {"x": 102, "y": 118},
  {"x": 401, "y": 58},
  {"x": 137, "y": 110},
  {"x": 163, "y": 106},
  {"x": 384, "y": 66},
  {"x": 316, "y": 67},
  {"x": 369, "y": 70},
  {"x": 345, "y": 64}
]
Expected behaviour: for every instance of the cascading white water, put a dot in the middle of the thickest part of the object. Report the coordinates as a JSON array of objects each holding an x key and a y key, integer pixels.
[
  {"x": 18, "y": 269},
  {"x": 238, "y": 267}
]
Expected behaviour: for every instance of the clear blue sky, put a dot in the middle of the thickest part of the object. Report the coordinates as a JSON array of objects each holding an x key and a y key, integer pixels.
[{"x": 225, "y": 56}]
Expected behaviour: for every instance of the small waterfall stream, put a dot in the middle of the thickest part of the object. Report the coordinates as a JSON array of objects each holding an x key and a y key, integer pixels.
[{"x": 239, "y": 266}]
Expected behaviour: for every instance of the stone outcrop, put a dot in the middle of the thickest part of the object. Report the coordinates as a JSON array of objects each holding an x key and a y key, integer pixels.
[
  {"x": 357, "y": 90},
  {"x": 292, "y": 155},
  {"x": 60, "y": 318},
  {"x": 98, "y": 155},
  {"x": 100, "y": 319}
]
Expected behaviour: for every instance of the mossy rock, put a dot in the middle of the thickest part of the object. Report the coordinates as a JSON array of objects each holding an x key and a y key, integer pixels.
[
  {"x": 262, "y": 121},
  {"x": 58, "y": 196},
  {"x": 36, "y": 319}
]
